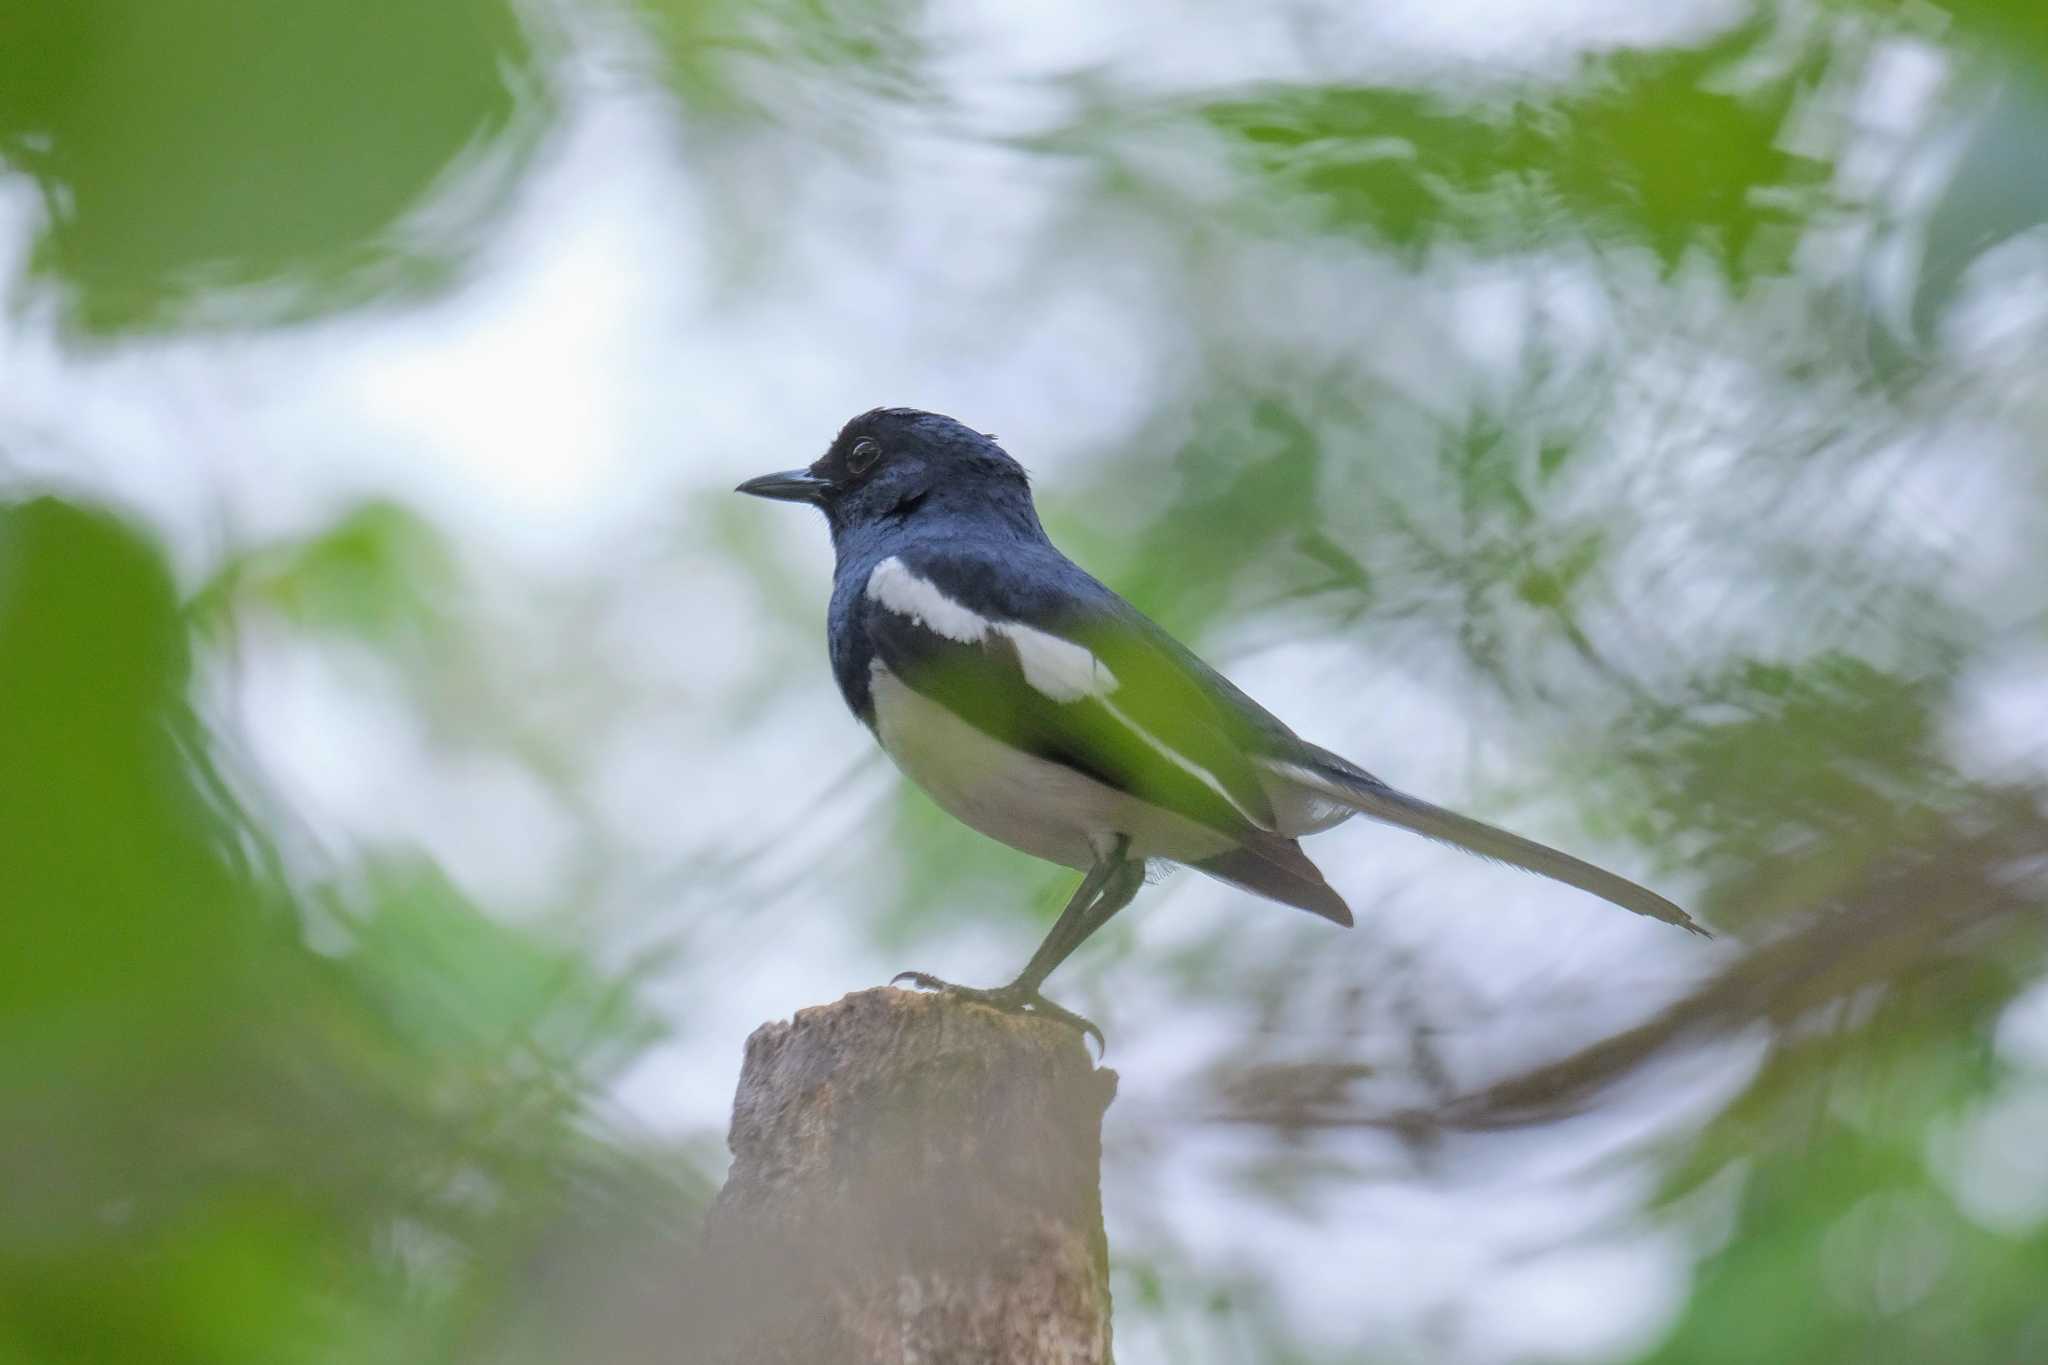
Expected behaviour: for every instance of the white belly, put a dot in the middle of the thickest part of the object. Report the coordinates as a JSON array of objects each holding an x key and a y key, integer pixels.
[{"x": 1044, "y": 809}]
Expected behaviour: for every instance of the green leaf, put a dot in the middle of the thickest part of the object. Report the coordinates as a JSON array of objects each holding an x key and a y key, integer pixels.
[{"x": 274, "y": 148}]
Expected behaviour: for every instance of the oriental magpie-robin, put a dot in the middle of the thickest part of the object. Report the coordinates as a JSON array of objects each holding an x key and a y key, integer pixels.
[{"x": 1040, "y": 708}]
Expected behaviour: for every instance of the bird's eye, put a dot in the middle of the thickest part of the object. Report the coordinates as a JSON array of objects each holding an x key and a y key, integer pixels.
[{"x": 863, "y": 456}]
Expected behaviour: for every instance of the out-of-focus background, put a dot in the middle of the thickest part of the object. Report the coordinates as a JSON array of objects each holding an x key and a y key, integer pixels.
[{"x": 418, "y": 772}]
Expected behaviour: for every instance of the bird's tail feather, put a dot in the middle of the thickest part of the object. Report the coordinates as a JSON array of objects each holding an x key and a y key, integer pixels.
[
  {"x": 1277, "y": 868},
  {"x": 1366, "y": 794}
]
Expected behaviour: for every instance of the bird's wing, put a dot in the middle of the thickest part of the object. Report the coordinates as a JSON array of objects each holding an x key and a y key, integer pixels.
[{"x": 1049, "y": 661}]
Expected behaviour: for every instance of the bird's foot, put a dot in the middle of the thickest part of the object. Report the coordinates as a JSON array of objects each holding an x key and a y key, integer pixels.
[{"x": 1011, "y": 999}]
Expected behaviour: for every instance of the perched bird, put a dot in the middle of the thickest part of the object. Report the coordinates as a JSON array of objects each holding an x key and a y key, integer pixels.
[{"x": 1040, "y": 708}]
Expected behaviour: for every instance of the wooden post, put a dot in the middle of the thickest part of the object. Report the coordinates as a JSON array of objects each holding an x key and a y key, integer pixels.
[{"x": 914, "y": 1179}]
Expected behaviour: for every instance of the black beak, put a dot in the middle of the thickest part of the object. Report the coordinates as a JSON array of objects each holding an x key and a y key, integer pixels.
[{"x": 789, "y": 485}]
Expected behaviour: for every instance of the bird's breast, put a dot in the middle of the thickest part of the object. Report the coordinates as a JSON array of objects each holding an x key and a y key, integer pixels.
[{"x": 1032, "y": 804}]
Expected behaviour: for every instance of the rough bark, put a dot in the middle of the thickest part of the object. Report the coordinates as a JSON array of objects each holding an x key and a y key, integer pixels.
[{"x": 914, "y": 1179}]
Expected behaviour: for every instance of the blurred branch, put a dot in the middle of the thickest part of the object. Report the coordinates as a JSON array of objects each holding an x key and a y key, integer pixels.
[{"x": 1925, "y": 925}]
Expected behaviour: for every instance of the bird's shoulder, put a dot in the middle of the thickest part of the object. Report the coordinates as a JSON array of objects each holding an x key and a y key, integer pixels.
[
  {"x": 1038, "y": 586},
  {"x": 1024, "y": 644},
  {"x": 1024, "y": 598}
]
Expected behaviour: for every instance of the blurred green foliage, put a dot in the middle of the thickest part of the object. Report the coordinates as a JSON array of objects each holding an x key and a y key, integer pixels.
[
  {"x": 379, "y": 573},
  {"x": 224, "y": 1143},
  {"x": 183, "y": 148},
  {"x": 1676, "y": 150},
  {"x": 1861, "y": 1229},
  {"x": 779, "y": 60}
]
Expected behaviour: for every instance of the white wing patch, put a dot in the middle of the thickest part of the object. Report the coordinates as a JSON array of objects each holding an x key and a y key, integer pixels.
[
  {"x": 1056, "y": 668},
  {"x": 1059, "y": 669},
  {"x": 894, "y": 586},
  {"x": 1046, "y": 809}
]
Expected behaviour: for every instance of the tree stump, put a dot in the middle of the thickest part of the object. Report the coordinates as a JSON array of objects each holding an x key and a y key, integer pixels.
[{"x": 915, "y": 1179}]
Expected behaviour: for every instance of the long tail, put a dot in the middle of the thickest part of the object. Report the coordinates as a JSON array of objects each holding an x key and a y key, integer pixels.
[{"x": 1353, "y": 787}]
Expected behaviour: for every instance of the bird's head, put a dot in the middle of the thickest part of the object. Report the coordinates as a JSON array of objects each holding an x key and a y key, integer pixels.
[{"x": 896, "y": 463}]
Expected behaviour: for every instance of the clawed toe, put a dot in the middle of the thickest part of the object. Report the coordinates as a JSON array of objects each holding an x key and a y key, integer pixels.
[
  {"x": 924, "y": 981},
  {"x": 1039, "y": 1005},
  {"x": 1010, "y": 999}
]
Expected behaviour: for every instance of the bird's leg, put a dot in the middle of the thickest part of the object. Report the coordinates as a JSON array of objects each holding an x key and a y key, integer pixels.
[
  {"x": 1021, "y": 996},
  {"x": 1108, "y": 888},
  {"x": 1080, "y": 921}
]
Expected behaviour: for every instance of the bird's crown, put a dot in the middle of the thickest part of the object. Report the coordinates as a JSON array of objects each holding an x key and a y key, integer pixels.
[{"x": 892, "y": 462}]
